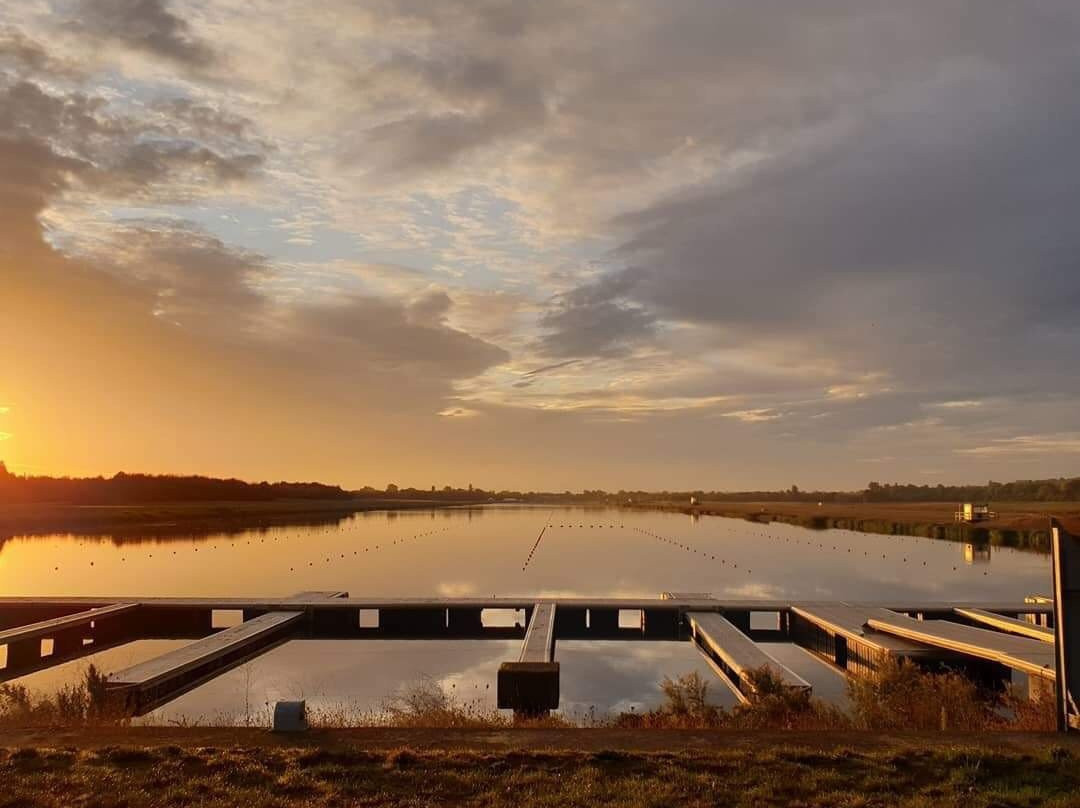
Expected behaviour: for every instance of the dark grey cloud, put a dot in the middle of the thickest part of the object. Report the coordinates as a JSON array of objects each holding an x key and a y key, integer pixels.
[
  {"x": 923, "y": 232},
  {"x": 196, "y": 280},
  {"x": 23, "y": 55},
  {"x": 596, "y": 319},
  {"x": 386, "y": 331},
  {"x": 474, "y": 102},
  {"x": 118, "y": 155},
  {"x": 143, "y": 25}
]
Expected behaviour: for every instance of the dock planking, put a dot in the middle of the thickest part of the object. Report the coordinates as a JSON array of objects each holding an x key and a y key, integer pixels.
[
  {"x": 1020, "y": 653},
  {"x": 1008, "y": 624},
  {"x": 736, "y": 655},
  {"x": 149, "y": 684},
  {"x": 539, "y": 644}
]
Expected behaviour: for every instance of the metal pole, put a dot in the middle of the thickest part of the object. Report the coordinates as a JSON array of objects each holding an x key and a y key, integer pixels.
[{"x": 1066, "y": 566}]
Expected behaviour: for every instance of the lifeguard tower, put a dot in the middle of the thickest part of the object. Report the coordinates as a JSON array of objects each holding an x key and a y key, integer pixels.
[{"x": 974, "y": 512}]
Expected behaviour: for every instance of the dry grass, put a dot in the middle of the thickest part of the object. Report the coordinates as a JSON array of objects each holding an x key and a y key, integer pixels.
[
  {"x": 78, "y": 704},
  {"x": 899, "y": 697},
  {"x": 425, "y": 703},
  {"x": 914, "y": 776}
]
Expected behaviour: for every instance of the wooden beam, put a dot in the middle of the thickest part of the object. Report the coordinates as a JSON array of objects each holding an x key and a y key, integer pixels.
[{"x": 1008, "y": 624}]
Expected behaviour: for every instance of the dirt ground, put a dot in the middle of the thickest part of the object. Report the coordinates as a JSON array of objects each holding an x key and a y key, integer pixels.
[{"x": 497, "y": 740}]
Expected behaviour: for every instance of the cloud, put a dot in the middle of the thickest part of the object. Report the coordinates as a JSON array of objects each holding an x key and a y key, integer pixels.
[
  {"x": 195, "y": 278},
  {"x": 459, "y": 412},
  {"x": 596, "y": 320},
  {"x": 1067, "y": 443},
  {"x": 24, "y": 55},
  {"x": 753, "y": 416},
  {"x": 143, "y": 25},
  {"x": 387, "y": 331}
]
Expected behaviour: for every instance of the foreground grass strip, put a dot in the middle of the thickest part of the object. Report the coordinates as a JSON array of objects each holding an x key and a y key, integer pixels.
[{"x": 273, "y": 776}]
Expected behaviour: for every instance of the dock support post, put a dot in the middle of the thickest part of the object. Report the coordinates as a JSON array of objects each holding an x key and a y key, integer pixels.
[
  {"x": 23, "y": 654},
  {"x": 1066, "y": 566}
]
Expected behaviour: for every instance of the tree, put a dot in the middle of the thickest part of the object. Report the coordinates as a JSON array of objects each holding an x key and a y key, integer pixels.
[{"x": 391, "y": 489}]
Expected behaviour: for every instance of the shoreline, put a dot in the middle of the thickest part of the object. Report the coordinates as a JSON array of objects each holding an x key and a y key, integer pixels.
[{"x": 1022, "y": 526}]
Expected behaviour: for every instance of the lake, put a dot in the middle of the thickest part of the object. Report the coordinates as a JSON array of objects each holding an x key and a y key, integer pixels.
[{"x": 494, "y": 551}]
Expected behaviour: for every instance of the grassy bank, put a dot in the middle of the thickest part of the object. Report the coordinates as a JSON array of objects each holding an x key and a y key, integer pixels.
[
  {"x": 864, "y": 772},
  {"x": 1022, "y": 525}
]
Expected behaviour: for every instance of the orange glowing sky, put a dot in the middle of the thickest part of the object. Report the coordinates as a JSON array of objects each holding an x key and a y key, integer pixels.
[{"x": 540, "y": 244}]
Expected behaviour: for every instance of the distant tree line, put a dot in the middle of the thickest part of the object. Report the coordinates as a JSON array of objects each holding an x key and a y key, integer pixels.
[
  {"x": 139, "y": 488},
  {"x": 1061, "y": 489},
  {"x": 122, "y": 489}
]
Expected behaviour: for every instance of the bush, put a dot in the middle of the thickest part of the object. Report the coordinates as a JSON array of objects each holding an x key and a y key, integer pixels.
[
  {"x": 81, "y": 703},
  {"x": 774, "y": 705},
  {"x": 900, "y": 696}
]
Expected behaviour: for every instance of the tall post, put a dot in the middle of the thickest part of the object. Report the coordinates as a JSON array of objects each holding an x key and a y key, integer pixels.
[{"x": 1066, "y": 564}]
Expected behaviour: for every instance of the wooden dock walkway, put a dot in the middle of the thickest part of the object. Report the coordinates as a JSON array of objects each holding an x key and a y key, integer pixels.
[
  {"x": 733, "y": 655},
  {"x": 147, "y": 685}
]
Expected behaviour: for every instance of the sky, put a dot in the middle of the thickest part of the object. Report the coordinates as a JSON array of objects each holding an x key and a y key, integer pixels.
[{"x": 548, "y": 245}]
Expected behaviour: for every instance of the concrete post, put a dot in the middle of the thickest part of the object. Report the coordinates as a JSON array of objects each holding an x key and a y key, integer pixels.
[{"x": 1066, "y": 566}]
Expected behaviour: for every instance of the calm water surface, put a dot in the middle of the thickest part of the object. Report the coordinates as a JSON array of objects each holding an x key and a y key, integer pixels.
[{"x": 489, "y": 551}]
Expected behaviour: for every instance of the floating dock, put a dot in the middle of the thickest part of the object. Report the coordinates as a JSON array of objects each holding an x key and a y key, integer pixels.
[{"x": 856, "y": 637}]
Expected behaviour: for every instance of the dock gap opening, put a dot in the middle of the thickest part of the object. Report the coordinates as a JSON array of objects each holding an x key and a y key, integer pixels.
[
  {"x": 768, "y": 621},
  {"x": 502, "y": 618},
  {"x": 226, "y": 618}
]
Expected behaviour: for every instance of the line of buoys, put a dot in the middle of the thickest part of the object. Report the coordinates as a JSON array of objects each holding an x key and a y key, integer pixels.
[
  {"x": 536, "y": 544},
  {"x": 688, "y": 548}
]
